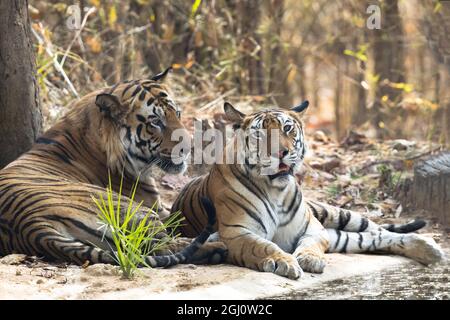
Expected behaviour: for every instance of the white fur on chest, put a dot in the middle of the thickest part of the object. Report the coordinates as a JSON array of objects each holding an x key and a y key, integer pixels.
[{"x": 285, "y": 236}]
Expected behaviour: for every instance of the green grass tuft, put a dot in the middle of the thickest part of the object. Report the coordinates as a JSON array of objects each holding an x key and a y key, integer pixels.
[{"x": 133, "y": 233}]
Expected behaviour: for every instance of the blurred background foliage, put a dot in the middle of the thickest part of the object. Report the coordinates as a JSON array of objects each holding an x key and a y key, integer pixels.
[{"x": 388, "y": 83}]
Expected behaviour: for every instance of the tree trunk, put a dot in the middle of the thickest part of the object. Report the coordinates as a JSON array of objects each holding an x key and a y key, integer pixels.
[
  {"x": 359, "y": 114},
  {"x": 278, "y": 58},
  {"x": 430, "y": 188},
  {"x": 20, "y": 116},
  {"x": 436, "y": 27},
  {"x": 315, "y": 83},
  {"x": 301, "y": 79},
  {"x": 389, "y": 60},
  {"x": 277, "y": 74},
  {"x": 337, "y": 99},
  {"x": 444, "y": 101},
  {"x": 250, "y": 15}
]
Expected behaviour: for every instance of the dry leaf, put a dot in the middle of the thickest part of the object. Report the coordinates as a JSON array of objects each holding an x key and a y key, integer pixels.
[{"x": 94, "y": 44}]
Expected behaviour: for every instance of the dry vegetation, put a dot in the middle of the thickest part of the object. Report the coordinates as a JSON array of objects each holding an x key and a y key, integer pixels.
[
  {"x": 271, "y": 52},
  {"x": 388, "y": 83}
]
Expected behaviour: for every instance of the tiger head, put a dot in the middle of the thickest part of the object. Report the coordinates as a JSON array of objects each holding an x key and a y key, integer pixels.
[
  {"x": 139, "y": 118},
  {"x": 273, "y": 139}
]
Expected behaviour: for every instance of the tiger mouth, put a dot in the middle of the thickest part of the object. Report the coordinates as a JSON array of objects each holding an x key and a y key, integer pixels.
[
  {"x": 283, "y": 167},
  {"x": 283, "y": 171}
]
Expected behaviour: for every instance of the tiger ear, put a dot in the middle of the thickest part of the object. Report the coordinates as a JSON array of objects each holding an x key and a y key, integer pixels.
[
  {"x": 161, "y": 75},
  {"x": 233, "y": 115},
  {"x": 110, "y": 106},
  {"x": 301, "y": 107}
]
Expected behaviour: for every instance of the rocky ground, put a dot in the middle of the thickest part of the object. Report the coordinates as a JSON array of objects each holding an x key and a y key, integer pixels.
[{"x": 359, "y": 174}]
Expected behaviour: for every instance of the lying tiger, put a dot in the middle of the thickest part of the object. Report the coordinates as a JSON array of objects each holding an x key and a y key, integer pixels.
[
  {"x": 264, "y": 220},
  {"x": 46, "y": 207}
]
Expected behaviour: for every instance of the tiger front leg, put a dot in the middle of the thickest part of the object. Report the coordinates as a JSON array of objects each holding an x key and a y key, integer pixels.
[
  {"x": 149, "y": 194},
  {"x": 249, "y": 250},
  {"x": 311, "y": 247},
  {"x": 155, "y": 202}
]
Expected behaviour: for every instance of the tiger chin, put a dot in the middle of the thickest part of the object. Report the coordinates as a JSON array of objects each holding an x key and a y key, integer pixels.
[
  {"x": 125, "y": 130},
  {"x": 265, "y": 221}
]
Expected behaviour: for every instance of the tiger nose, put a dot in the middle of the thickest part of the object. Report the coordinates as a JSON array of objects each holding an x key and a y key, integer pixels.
[{"x": 283, "y": 153}]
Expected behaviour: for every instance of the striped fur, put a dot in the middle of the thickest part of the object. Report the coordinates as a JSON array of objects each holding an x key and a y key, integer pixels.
[
  {"x": 45, "y": 196},
  {"x": 266, "y": 223}
]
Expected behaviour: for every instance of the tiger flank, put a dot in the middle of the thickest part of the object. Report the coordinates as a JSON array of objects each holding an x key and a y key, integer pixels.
[
  {"x": 262, "y": 216},
  {"x": 46, "y": 207}
]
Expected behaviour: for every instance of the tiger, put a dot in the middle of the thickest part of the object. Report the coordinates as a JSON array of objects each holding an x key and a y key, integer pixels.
[
  {"x": 120, "y": 133},
  {"x": 264, "y": 220}
]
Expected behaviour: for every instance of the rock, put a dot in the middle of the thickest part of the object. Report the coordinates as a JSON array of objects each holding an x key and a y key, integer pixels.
[
  {"x": 429, "y": 189},
  {"x": 102, "y": 270},
  {"x": 13, "y": 259},
  {"x": 402, "y": 144}
]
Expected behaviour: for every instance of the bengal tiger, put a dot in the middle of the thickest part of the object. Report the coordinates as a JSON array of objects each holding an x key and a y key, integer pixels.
[
  {"x": 125, "y": 130},
  {"x": 265, "y": 221}
]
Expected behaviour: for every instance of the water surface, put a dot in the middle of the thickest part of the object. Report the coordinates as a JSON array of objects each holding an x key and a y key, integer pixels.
[{"x": 410, "y": 281}]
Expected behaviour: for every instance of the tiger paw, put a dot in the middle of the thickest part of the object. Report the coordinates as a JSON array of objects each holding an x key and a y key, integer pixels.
[
  {"x": 422, "y": 249},
  {"x": 312, "y": 261},
  {"x": 284, "y": 265}
]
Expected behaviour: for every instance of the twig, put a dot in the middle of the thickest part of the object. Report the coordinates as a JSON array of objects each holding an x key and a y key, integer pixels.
[
  {"x": 77, "y": 35},
  {"x": 424, "y": 154},
  {"x": 215, "y": 101},
  {"x": 389, "y": 161},
  {"x": 377, "y": 162},
  {"x": 58, "y": 67}
]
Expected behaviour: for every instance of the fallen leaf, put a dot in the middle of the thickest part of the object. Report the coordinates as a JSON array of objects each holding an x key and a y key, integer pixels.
[{"x": 94, "y": 44}]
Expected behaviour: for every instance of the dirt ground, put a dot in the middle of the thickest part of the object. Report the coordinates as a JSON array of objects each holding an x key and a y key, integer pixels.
[
  {"x": 24, "y": 277},
  {"x": 351, "y": 175}
]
